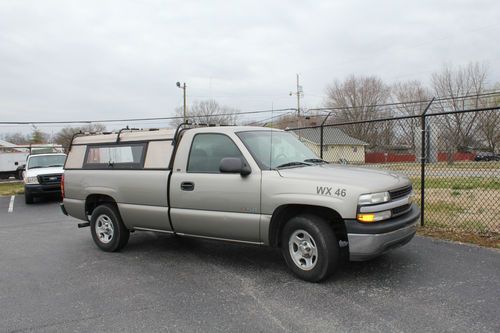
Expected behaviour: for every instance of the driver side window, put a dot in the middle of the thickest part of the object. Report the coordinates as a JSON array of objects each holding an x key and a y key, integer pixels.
[{"x": 207, "y": 151}]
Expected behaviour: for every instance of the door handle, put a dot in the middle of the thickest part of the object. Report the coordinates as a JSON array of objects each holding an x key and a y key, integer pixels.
[{"x": 187, "y": 186}]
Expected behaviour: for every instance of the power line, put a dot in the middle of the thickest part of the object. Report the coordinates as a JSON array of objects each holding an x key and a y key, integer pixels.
[
  {"x": 266, "y": 120},
  {"x": 135, "y": 119},
  {"x": 386, "y": 107},
  {"x": 447, "y": 98}
]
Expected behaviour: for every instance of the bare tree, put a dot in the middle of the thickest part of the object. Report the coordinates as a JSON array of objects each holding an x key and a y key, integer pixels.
[
  {"x": 489, "y": 125},
  {"x": 17, "y": 138},
  {"x": 356, "y": 99},
  {"x": 208, "y": 112},
  {"x": 64, "y": 136},
  {"x": 459, "y": 129},
  {"x": 413, "y": 97},
  {"x": 37, "y": 136}
]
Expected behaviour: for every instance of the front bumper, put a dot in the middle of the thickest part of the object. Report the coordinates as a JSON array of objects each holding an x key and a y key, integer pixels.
[
  {"x": 369, "y": 240},
  {"x": 39, "y": 189}
]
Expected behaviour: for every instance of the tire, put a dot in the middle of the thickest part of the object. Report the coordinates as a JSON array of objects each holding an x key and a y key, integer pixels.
[
  {"x": 310, "y": 247},
  {"x": 107, "y": 228},
  {"x": 28, "y": 197}
]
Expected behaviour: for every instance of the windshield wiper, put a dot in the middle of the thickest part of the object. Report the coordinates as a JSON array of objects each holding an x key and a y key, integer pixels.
[
  {"x": 54, "y": 165},
  {"x": 290, "y": 164},
  {"x": 315, "y": 160},
  {"x": 36, "y": 167}
]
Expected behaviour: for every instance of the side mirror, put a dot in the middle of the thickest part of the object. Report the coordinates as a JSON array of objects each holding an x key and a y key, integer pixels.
[{"x": 234, "y": 165}]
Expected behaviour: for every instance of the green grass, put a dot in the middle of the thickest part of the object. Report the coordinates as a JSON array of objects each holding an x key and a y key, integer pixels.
[
  {"x": 468, "y": 165},
  {"x": 435, "y": 224},
  {"x": 11, "y": 188},
  {"x": 459, "y": 183},
  {"x": 443, "y": 207}
]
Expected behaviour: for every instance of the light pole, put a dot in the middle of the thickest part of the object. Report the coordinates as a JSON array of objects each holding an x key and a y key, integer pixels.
[
  {"x": 183, "y": 87},
  {"x": 299, "y": 93}
]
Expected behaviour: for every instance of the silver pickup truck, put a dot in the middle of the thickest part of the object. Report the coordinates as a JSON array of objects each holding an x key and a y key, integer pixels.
[{"x": 242, "y": 184}]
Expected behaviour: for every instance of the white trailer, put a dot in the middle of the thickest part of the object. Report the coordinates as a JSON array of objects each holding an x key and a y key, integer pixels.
[{"x": 12, "y": 160}]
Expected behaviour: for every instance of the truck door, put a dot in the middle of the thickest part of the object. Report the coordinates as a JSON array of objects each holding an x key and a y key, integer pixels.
[{"x": 207, "y": 203}]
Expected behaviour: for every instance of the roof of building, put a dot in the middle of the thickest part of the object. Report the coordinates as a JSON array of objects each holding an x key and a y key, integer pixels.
[{"x": 331, "y": 136}]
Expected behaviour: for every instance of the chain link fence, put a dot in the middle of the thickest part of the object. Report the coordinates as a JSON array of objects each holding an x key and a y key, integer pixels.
[{"x": 451, "y": 158}]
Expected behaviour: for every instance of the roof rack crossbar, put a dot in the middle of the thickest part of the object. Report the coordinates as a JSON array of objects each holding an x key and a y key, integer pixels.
[{"x": 125, "y": 129}]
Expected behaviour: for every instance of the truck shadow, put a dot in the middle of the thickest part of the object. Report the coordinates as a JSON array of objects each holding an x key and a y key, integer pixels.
[
  {"x": 256, "y": 262},
  {"x": 46, "y": 199}
]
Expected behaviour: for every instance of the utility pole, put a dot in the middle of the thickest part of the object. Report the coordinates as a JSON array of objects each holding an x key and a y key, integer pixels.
[
  {"x": 183, "y": 87},
  {"x": 299, "y": 92}
]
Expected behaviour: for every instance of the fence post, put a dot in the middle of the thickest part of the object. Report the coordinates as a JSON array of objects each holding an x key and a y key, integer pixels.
[
  {"x": 423, "y": 160},
  {"x": 321, "y": 132},
  {"x": 321, "y": 142}
]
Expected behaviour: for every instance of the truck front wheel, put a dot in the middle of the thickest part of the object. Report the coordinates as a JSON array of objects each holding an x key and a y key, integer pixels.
[
  {"x": 310, "y": 247},
  {"x": 108, "y": 231}
]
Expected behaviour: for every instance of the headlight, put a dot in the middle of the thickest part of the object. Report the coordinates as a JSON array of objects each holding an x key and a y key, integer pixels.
[
  {"x": 373, "y": 198},
  {"x": 32, "y": 180},
  {"x": 374, "y": 217}
]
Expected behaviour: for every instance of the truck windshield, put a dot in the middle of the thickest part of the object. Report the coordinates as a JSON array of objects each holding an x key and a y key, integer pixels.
[
  {"x": 46, "y": 161},
  {"x": 273, "y": 149}
]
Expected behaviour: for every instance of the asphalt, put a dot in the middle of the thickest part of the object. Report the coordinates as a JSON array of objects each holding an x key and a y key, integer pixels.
[{"x": 54, "y": 279}]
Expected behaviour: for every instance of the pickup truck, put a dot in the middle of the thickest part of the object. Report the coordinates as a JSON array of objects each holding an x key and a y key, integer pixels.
[
  {"x": 43, "y": 175},
  {"x": 241, "y": 184}
]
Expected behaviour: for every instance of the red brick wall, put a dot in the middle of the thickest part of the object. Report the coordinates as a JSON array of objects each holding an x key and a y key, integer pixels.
[{"x": 380, "y": 157}]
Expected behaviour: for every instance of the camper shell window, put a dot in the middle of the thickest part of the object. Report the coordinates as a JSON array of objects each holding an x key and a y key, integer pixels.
[{"x": 115, "y": 156}]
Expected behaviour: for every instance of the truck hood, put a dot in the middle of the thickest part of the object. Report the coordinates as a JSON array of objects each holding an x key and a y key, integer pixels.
[
  {"x": 372, "y": 179},
  {"x": 44, "y": 171}
]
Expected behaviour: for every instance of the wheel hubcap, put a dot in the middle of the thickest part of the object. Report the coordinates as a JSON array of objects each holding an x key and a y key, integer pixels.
[
  {"x": 104, "y": 229},
  {"x": 303, "y": 250}
]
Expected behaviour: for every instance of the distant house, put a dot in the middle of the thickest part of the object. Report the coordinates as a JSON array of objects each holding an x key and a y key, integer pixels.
[{"x": 337, "y": 145}]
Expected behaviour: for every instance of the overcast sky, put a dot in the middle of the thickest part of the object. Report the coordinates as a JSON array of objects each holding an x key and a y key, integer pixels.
[{"x": 99, "y": 59}]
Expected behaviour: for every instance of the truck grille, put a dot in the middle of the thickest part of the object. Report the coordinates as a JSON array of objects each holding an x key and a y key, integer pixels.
[
  {"x": 400, "y": 192},
  {"x": 49, "y": 179}
]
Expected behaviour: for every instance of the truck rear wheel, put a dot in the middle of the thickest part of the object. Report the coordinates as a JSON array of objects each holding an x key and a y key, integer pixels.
[
  {"x": 108, "y": 231},
  {"x": 310, "y": 247}
]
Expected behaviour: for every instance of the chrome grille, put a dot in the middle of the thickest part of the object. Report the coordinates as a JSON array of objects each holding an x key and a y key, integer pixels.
[
  {"x": 49, "y": 179},
  {"x": 400, "y": 192}
]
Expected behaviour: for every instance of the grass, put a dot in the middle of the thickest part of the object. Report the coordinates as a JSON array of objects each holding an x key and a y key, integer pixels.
[
  {"x": 459, "y": 183},
  {"x": 11, "y": 188},
  {"x": 444, "y": 207},
  {"x": 468, "y": 165}
]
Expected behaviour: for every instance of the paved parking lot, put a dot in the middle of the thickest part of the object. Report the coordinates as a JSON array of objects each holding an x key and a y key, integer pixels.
[{"x": 53, "y": 278}]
